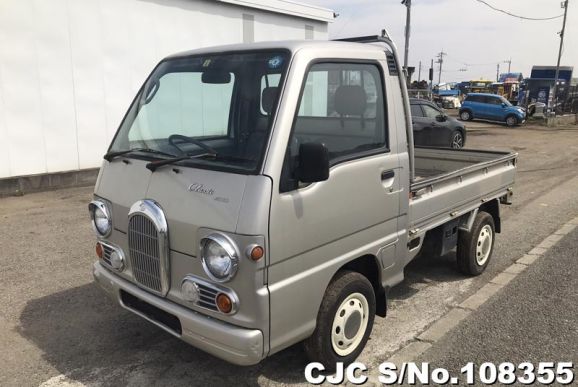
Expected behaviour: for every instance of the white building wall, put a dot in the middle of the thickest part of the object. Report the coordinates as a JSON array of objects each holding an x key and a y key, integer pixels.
[{"x": 70, "y": 68}]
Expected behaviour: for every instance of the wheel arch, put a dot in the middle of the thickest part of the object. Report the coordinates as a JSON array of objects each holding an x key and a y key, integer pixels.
[
  {"x": 493, "y": 208},
  {"x": 368, "y": 266}
]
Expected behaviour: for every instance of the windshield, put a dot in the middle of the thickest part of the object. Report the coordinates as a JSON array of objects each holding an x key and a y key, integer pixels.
[
  {"x": 504, "y": 100},
  {"x": 222, "y": 103}
]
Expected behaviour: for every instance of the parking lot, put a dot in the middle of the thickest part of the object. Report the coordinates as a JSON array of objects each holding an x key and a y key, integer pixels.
[{"x": 57, "y": 328}]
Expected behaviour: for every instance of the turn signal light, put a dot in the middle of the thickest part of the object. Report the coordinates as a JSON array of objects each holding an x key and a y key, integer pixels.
[
  {"x": 224, "y": 303},
  {"x": 255, "y": 252},
  {"x": 99, "y": 250}
]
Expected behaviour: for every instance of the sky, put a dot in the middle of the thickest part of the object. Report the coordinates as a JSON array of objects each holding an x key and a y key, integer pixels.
[{"x": 475, "y": 37}]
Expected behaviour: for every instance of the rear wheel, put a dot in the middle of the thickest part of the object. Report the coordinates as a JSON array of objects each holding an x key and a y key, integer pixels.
[
  {"x": 465, "y": 115},
  {"x": 344, "y": 321},
  {"x": 475, "y": 247},
  {"x": 457, "y": 140},
  {"x": 511, "y": 121}
]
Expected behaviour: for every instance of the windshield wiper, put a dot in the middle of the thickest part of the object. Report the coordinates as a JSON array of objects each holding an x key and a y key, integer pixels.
[
  {"x": 154, "y": 165},
  {"x": 112, "y": 155}
]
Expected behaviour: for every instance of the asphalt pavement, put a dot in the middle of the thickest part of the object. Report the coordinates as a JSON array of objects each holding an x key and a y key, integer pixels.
[{"x": 533, "y": 319}]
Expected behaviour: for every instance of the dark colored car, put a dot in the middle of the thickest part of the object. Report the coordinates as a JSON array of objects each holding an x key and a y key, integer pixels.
[{"x": 432, "y": 127}]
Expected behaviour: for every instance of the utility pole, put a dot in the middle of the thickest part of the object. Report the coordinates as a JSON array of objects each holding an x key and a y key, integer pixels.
[
  {"x": 419, "y": 73},
  {"x": 407, "y": 4},
  {"x": 498, "y": 73},
  {"x": 555, "y": 97},
  {"x": 509, "y": 62},
  {"x": 431, "y": 75},
  {"x": 441, "y": 62}
]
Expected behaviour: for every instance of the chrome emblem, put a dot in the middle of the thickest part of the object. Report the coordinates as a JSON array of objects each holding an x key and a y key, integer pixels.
[{"x": 200, "y": 188}]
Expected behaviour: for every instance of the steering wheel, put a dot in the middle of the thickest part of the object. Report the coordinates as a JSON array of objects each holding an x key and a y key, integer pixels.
[{"x": 173, "y": 138}]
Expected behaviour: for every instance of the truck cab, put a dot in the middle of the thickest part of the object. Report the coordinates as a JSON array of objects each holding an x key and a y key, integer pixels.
[{"x": 256, "y": 196}]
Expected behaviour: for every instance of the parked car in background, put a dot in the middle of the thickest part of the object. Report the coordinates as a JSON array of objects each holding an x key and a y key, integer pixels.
[
  {"x": 432, "y": 127},
  {"x": 491, "y": 107}
]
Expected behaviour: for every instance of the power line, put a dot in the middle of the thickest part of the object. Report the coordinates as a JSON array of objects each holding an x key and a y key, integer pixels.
[{"x": 518, "y": 16}]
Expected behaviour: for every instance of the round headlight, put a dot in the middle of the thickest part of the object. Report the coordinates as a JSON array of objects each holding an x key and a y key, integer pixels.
[
  {"x": 219, "y": 257},
  {"x": 101, "y": 221}
]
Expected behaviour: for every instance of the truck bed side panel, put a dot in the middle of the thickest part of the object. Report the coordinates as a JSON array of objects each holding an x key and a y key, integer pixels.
[{"x": 442, "y": 198}]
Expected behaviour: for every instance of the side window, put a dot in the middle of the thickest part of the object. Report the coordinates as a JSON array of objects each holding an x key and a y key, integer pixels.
[
  {"x": 416, "y": 111},
  {"x": 430, "y": 112},
  {"x": 473, "y": 98},
  {"x": 485, "y": 99},
  {"x": 494, "y": 100},
  {"x": 342, "y": 107}
]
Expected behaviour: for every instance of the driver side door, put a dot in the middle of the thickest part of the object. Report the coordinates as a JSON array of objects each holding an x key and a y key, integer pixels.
[{"x": 316, "y": 228}]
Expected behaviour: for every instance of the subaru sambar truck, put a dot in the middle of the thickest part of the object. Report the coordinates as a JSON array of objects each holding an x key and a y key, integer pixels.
[{"x": 260, "y": 195}]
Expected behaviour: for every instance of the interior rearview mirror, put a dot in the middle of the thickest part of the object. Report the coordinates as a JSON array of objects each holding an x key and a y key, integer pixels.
[
  {"x": 216, "y": 77},
  {"x": 313, "y": 163}
]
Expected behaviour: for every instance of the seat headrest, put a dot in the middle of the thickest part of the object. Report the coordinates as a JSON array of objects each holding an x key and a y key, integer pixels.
[
  {"x": 268, "y": 98},
  {"x": 350, "y": 100}
]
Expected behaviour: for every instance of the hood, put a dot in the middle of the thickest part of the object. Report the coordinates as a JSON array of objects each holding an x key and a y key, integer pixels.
[{"x": 190, "y": 198}]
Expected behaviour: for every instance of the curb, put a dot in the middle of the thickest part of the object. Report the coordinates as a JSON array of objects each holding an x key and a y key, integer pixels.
[
  {"x": 450, "y": 320},
  {"x": 21, "y": 185}
]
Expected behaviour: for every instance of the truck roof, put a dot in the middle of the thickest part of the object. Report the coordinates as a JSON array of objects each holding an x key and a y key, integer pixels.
[{"x": 291, "y": 45}]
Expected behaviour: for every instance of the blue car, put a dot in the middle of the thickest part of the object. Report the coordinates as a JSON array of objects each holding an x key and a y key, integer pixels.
[{"x": 491, "y": 107}]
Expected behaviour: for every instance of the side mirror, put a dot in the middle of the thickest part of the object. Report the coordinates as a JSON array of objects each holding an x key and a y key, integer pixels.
[
  {"x": 441, "y": 118},
  {"x": 313, "y": 163},
  {"x": 503, "y": 105}
]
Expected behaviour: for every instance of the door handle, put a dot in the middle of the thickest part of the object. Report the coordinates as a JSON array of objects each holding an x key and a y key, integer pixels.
[{"x": 386, "y": 175}]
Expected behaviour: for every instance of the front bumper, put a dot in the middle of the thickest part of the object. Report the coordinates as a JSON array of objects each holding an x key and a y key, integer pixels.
[{"x": 231, "y": 343}]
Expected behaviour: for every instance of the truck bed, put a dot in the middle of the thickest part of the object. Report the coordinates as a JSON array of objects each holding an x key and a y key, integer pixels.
[{"x": 449, "y": 183}]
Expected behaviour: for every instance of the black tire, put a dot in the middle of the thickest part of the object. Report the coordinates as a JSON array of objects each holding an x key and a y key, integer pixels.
[
  {"x": 466, "y": 115},
  {"x": 511, "y": 121},
  {"x": 457, "y": 140},
  {"x": 473, "y": 254},
  {"x": 318, "y": 346}
]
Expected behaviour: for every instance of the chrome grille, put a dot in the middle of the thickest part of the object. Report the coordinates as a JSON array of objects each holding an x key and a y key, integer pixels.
[
  {"x": 208, "y": 292},
  {"x": 208, "y": 297},
  {"x": 145, "y": 257},
  {"x": 107, "y": 252}
]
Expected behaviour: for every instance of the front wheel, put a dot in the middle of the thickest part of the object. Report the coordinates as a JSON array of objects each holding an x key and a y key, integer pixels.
[
  {"x": 344, "y": 321},
  {"x": 457, "y": 140},
  {"x": 475, "y": 247},
  {"x": 511, "y": 121}
]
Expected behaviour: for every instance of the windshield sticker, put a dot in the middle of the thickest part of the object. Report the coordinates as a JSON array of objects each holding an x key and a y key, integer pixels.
[
  {"x": 275, "y": 62},
  {"x": 207, "y": 63}
]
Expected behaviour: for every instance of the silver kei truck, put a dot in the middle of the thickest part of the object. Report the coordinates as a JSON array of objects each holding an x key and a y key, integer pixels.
[{"x": 257, "y": 196}]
